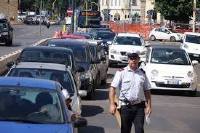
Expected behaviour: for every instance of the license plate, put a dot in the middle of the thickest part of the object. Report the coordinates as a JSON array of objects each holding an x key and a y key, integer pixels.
[
  {"x": 173, "y": 82},
  {"x": 195, "y": 55}
]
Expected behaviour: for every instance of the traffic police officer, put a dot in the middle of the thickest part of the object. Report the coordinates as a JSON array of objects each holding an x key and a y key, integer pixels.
[{"x": 134, "y": 95}]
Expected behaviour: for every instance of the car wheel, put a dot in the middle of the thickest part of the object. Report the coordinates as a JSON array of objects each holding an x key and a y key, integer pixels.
[
  {"x": 9, "y": 42},
  {"x": 172, "y": 39},
  {"x": 152, "y": 38},
  {"x": 192, "y": 93}
]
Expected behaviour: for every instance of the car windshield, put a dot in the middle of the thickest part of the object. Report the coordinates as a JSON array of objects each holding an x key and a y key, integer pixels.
[
  {"x": 169, "y": 56},
  {"x": 46, "y": 56},
  {"x": 127, "y": 40},
  {"x": 30, "y": 105},
  {"x": 62, "y": 77},
  {"x": 105, "y": 35},
  {"x": 192, "y": 39},
  {"x": 79, "y": 51}
]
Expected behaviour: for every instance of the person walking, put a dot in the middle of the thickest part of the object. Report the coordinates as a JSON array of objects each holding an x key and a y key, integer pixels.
[{"x": 134, "y": 95}]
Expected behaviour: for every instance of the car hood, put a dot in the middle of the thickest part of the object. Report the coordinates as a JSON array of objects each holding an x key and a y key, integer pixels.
[
  {"x": 169, "y": 70},
  {"x": 15, "y": 127},
  {"x": 192, "y": 47},
  {"x": 127, "y": 48}
]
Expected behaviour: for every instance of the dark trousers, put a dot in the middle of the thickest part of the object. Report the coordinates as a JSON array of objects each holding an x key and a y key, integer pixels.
[{"x": 132, "y": 114}]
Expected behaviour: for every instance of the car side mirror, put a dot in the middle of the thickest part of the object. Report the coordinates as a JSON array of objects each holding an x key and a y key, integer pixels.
[
  {"x": 80, "y": 122},
  {"x": 82, "y": 93},
  {"x": 195, "y": 62}
]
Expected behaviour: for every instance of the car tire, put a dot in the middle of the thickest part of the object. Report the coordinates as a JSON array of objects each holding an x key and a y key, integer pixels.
[
  {"x": 172, "y": 39},
  {"x": 9, "y": 42},
  {"x": 152, "y": 38},
  {"x": 192, "y": 93}
]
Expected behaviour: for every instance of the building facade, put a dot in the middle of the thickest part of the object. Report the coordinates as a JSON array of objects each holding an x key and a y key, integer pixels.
[
  {"x": 128, "y": 10},
  {"x": 9, "y": 8}
]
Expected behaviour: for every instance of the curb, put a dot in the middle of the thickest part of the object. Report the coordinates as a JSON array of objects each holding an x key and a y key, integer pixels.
[{"x": 12, "y": 57}]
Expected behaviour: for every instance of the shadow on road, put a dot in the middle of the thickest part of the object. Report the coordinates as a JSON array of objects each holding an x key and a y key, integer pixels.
[
  {"x": 91, "y": 129},
  {"x": 174, "y": 93},
  {"x": 91, "y": 110}
]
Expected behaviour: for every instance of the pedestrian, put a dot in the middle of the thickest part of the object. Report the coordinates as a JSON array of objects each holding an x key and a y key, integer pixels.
[{"x": 134, "y": 95}]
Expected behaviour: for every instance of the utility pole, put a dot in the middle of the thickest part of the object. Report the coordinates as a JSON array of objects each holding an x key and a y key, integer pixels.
[
  {"x": 194, "y": 15},
  {"x": 73, "y": 16},
  {"x": 40, "y": 15}
]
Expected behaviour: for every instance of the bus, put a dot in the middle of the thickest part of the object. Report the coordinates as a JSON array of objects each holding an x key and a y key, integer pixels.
[{"x": 89, "y": 19}]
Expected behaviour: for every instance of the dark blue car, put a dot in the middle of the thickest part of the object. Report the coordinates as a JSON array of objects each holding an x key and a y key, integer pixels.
[{"x": 34, "y": 106}]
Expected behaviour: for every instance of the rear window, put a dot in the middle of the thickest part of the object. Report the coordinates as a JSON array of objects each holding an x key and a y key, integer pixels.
[
  {"x": 46, "y": 56},
  {"x": 192, "y": 39}
]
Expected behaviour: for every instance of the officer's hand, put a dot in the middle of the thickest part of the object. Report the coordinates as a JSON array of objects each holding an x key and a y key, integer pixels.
[
  {"x": 148, "y": 110},
  {"x": 112, "y": 108}
]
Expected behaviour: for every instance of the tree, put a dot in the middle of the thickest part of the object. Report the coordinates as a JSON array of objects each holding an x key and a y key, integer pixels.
[{"x": 175, "y": 10}]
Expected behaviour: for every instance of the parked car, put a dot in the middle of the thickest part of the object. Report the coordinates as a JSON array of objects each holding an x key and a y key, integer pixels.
[
  {"x": 164, "y": 34},
  {"x": 31, "y": 19},
  {"x": 34, "y": 105},
  {"x": 191, "y": 44},
  {"x": 169, "y": 67},
  {"x": 83, "y": 60},
  {"x": 51, "y": 55},
  {"x": 49, "y": 71},
  {"x": 6, "y": 31},
  {"x": 123, "y": 44},
  {"x": 106, "y": 37}
]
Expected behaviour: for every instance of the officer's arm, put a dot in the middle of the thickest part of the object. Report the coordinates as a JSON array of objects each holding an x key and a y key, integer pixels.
[
  {"x": 147, "y": 94},
  {"x": 112, "y": 94}
]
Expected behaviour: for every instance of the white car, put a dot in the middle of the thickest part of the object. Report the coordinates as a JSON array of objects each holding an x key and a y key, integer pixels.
[
  {"x": 170, "y": 68},
  {"x": 191, "y": 44},
  {"x": 123, "y": 44},
  {"x": 164, "y": 34}
]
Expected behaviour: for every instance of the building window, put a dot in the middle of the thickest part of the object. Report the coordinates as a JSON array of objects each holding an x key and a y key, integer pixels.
[
  {"x": 125, "y": 16},
  {"x": 119, "y": 2},
  {"x": 134, "y": 2},
  {"x": 102, "y": 2},
  {"x": 115, "y": 2}
]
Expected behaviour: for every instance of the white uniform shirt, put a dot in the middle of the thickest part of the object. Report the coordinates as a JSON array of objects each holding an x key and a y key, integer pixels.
[{"x": 131, "y": 84}]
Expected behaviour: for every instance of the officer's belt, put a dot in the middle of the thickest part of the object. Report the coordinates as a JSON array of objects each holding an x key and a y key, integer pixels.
[{"x": 126, "y": 102}]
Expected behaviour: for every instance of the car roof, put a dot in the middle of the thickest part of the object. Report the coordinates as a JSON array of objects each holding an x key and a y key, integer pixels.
[
  {"x": 28, "y": 82},
  {"x": 129, "y": 34},
  {"x": 69, "y": 41},
  {"x": 192, "y": 33},
  {"x": 46, "y": 48},
  {"x": 38, "y": 65}
]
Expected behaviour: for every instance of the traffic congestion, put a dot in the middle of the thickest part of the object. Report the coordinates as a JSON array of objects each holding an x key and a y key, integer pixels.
[{"x": 56, "y": 77}]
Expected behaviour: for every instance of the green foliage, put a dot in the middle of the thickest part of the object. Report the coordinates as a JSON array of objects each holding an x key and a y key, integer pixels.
[{"x": 176, "y": 10}]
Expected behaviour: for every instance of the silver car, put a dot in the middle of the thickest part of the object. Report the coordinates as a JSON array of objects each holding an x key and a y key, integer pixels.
[{"x": 49, "y": 71}]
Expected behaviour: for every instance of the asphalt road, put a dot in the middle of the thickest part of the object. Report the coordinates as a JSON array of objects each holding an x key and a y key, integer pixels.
[
  {"x": 26, "y": 35},
  {"x": 173, "y": 112}
]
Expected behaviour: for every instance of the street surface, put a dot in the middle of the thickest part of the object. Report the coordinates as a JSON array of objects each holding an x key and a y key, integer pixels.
[
  {"x": 173, "y": 112},
  {"x": 25, "y": 35}
]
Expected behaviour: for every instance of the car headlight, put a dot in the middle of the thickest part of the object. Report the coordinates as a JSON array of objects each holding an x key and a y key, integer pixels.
[
  {"x": 154, "y": 73},
  {"x": 190, "y": 74},
  {"x": 4, "y": 33},
  {"x": 113, "y": 51}
]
